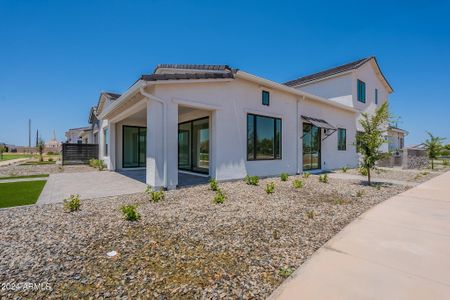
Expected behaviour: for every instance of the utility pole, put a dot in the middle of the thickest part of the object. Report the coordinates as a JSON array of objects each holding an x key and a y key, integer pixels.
[
  {"x": 37, "y": 137},
  {"x": 29, "y": 135}
]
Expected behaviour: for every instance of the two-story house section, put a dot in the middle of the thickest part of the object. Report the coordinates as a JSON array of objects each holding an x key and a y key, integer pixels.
[{"x": 359, "y": 84}]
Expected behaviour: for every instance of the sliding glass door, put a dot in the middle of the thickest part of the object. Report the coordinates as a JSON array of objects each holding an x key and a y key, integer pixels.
[
  {"x": 311, "y": 147},
  {"x": 134, "y": 147},
  {"x": 193, "y": 145}
]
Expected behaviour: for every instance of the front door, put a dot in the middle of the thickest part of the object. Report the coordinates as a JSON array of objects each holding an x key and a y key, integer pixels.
[
  {"x": 193, "y": 145},
  {"x": 134, "y": 147},
  {"x": 311, "y": 147}
]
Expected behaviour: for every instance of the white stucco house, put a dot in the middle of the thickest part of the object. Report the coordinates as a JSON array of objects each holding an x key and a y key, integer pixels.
[
  {"x": 216, "y": 121},
  {"x": 77, "y": 135}
]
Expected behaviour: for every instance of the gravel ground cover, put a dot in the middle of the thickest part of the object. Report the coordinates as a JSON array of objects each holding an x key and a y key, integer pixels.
[
  {"x": 21, "y": 170},
  {"x": 183, "y": 247},
  {"x": 398, "y": 174}
]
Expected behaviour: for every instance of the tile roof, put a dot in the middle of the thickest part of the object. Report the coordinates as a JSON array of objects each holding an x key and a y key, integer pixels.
[
  {"x": 329, "y": 72},
  {"x": 193, "y": 67},
  {"x": 181, "y": 76}
]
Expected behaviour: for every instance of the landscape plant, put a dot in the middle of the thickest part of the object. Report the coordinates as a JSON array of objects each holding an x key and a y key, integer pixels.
[
  {"x": 323, "y": 178},
  {"x": 434, "y": 147},
  {"x": 310, "y": 214},
  {"x": 219, "y": 198},
  {"x": 155, "y": 196},
  {"x": 284, "y": 176},
  {"x": 285, "y": 272},
  {"x": 2, "y": 149},
  {"x": 213, "y": 185},
  {"x": 270, "y": 188},
  {"x": 306, "y": 174},
  {"x": 40, "y": 146},
  {"x": 72, "y": 203},
  {"x": 297, "y": 183},
  {"x": 251, "y": 180},
  {"x": 344, "y": 169},
  {"x": 370, "y": 140},
  {"x": 130, "y": 212}
]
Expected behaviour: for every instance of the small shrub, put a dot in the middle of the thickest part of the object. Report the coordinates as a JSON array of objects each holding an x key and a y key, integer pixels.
[
  {"x": 446, "y": 162},
  {"x": 425, "y": 173},
  {"x": 219, "y": 198},
  {"x": 340, "y": 201},
  {"x": 362, "y": 171},
  {"x": 276, "y": 234},
  {"x": 155, "y": 196},
  {"x": 51, "y": 153},
  {"x": 72, "y": 203},
  {"x": 97, "y": 163},
  {"x": 213, "y": 184},
  {"x": 270, "y": 188},
  {"x": 101, "y": 165},
  {"x": 284, "y": 176},
  {"x": 359, "y": 193},
  {"x": 417, "y": 176},
  {"x": 251, "y": 180},
  {"x": 306, "y": 174},
  {"x": 130, "y": 213},
  {"x": 310, "y": 214},
  {"x": 285, "y": 272},
  {"x": 344, "y": 169},
  {"x": 50, "y": 159},
  {"x": 297, "y": 184},
  {"x": 323, "y": 178}
]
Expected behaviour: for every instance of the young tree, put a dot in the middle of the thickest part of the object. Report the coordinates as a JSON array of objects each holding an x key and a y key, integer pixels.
[
  {"x": 370, "y": 140},
  {"x": 40, "y": 148},
  {"x": 2, "y": 149},
  {"x": 434, "y": 147}
]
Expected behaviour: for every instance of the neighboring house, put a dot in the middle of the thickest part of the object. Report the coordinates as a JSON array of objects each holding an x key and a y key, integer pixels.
[
  {"x": 77, "y": 135},
  {"x": 359, "y": 84},
  {"x": 53, "y": 145},
  {"x": 396, "y": 138},
  {"x": 105, "y": 99},
  {"x": 223, "y": 123}
]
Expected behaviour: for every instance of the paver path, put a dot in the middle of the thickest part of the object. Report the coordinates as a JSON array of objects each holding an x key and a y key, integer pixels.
[
  {"x": 400, "y": 249},
  {"x": 88, "y": 185},
  {"x": 375, "y": 180}
]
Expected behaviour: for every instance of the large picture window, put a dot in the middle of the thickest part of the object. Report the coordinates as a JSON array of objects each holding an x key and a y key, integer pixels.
[{"x": 263, "y": 137}]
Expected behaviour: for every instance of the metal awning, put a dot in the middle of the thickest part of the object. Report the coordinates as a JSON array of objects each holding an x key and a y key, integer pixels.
[{"x": 329, "y": 129}]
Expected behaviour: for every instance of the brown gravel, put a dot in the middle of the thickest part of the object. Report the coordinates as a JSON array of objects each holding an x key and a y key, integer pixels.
[
  {"x": 21, "y": 170},
  {"x": 183, "y": 247}
]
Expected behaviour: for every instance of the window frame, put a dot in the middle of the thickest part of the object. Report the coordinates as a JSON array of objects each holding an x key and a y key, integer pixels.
[
  {"x": 376, "y": 96},
  {"x": 255, "y": 138},
  {"x": 106, "y": 141},
  {"x": 361, "y": 91},
  {"x": 264, "y": 92},
  {"x": 342, "y": 147}
]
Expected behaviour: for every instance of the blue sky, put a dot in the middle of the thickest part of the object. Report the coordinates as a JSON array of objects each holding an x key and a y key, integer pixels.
[{"x": 57, "y": 56}]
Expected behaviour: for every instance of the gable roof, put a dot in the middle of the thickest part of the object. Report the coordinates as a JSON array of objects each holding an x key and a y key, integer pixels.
[
  {"x": 338, "y": 70},
  {"x": 103, "y": 96}
]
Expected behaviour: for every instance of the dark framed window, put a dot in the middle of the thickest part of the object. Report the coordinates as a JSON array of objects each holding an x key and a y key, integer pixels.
[
  {"x": 265, "y": 98},
  {"x": 342, "y": 139},
  {"x": 263, "y": 137},
  {"x": 361, "y": 91},
  {"x": 134, "y": 145},
  {"x": 376, "y": 96},
  {"x": 106, "y": 135}
]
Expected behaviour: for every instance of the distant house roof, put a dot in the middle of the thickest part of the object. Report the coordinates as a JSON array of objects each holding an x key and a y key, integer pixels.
[
  {"x": 395, "y": 128},
  {"x": 336, "y": 70}
]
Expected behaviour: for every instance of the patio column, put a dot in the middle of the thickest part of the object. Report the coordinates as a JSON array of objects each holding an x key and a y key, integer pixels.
[
  {"x": 155, "y": 144},
  {"x": 112, "y": 146}
]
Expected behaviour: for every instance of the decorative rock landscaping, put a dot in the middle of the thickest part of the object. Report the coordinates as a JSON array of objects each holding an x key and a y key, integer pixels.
[
  {"x": 184, "y": 246},
  {"x": 19, "y": 170}
]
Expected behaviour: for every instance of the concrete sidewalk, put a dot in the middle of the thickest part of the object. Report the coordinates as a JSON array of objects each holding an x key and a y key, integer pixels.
[
  {"x": 88, "y": 185},
  {"x": 400, "y": 249}
]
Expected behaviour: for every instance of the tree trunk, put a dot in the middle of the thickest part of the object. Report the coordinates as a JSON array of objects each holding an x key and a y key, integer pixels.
[
  {"x": 432, "y": 164},
  {"x": 368, "y": 175}
]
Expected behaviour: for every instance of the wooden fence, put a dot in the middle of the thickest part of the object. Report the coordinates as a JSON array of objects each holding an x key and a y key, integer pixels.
[{"x": 78, "y": 154}]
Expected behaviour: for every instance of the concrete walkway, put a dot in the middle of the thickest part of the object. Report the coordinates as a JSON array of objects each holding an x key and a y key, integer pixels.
[
  {"x": 12, "y": 161},
  {"x": 88, "y": 185},
  {"x": 400, "y": 249},
  {"x": 374, "y": 180}
]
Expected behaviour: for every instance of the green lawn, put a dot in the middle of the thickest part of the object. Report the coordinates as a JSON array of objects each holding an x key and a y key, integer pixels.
[
  {"x": 20, "y": 193},
  {"x": 9, "y": 156},
  {"x": 24, "y": 176}
]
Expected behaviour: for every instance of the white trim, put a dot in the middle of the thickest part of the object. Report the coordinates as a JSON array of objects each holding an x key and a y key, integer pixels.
[
  {"x": 263, "y": 113},
  {"x": 195, "y": 104}
]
